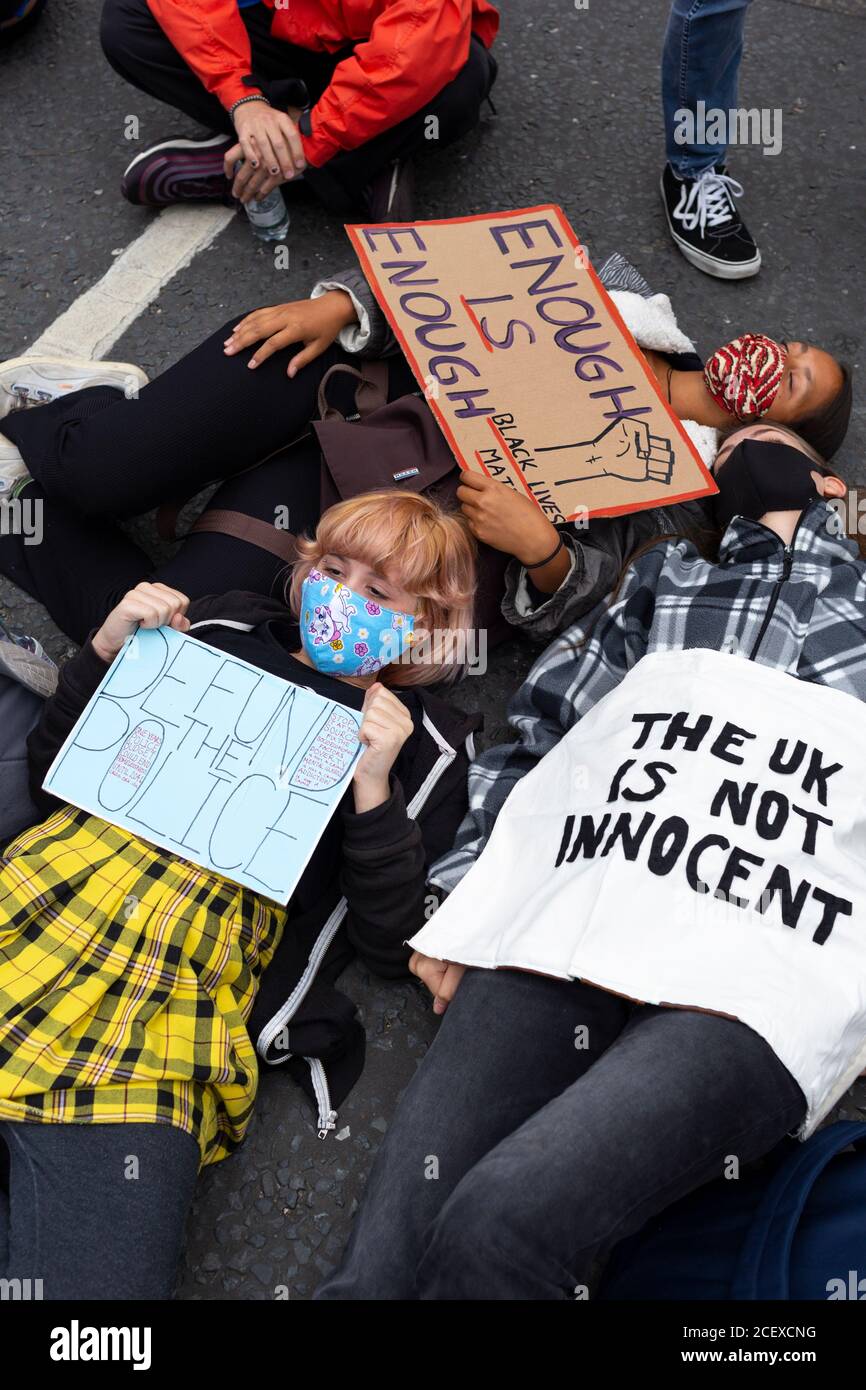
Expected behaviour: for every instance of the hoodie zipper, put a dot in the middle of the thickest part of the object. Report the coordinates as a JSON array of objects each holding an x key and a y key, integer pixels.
[
  {"x": 787, "y": 563},
  {"x": 320, "y": 947},
  {"x": 774, "y": 599},
  {"x": 327, "y": 1117}
]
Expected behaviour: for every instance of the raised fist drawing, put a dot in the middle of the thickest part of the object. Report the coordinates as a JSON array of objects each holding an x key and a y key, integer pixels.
[{"x": 624, "y": 449}]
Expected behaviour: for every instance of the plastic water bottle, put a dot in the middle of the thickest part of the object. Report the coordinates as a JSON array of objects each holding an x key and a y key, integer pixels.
[{"x": 269, "y": 217}]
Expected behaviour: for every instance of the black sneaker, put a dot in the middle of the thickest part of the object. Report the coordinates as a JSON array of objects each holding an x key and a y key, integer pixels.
[
  {"x": 179, "y": 171},
  {"x": 390, "y": 197},
  {"x": 705, "y": 225}
]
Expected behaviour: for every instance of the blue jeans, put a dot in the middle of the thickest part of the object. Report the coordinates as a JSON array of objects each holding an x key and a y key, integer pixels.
[
  {"x": 700, "y": 62},
  {"x": 548, "y": 1121}
]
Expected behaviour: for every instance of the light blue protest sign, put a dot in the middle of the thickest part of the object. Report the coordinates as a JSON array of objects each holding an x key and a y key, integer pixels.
[{"x": 210, "y": 758}]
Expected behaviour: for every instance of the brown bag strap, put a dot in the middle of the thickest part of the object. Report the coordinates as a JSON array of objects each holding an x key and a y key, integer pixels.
[
  {"x": 370, "y": 394},
  {"x": 249, "y": 529}
]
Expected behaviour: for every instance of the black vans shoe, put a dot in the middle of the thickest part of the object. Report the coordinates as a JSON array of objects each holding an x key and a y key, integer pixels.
[{"x": 705, "y": 225}]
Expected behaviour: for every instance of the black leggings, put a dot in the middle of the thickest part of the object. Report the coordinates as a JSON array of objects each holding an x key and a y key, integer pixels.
[{"x": 95, "y": 455}]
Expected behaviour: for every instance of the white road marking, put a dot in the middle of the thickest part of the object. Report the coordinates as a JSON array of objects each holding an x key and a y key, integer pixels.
[{"x": 93, "y": 323}]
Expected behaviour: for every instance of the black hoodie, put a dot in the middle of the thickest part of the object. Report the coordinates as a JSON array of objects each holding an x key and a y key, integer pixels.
[{"x": 364, "y": 889}]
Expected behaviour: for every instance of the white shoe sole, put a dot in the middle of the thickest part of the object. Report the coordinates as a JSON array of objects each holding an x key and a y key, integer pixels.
[
  {"x": 722, "y": 270},
  {"x": 12, "y": 467},
  {"x": 37, "y": 672}
]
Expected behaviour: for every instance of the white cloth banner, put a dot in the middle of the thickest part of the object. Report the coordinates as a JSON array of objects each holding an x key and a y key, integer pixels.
[{"x": 698, "y": 840}]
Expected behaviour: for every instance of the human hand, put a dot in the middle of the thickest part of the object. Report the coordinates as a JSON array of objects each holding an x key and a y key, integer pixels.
[
  {"x": 314, "y": 322},
  {"x": 504, "y": 518},
  {"x": 385, "y": 726},
  {"x": 147, "y": 605},
  {"x": 270, "y": 147},
  {"x": 441, "y": 977}
]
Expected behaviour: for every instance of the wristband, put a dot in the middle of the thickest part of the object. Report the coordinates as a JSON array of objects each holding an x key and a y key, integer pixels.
[
  {"x": 539, "y": 564},
  {"x": 242, "y": 101}
]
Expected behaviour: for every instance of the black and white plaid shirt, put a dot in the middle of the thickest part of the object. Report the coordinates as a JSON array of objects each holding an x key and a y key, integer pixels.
[{"x": 798, "y": 608}]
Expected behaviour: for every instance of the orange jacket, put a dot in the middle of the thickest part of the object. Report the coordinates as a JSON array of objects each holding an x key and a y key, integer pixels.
[{"x": 406, "y": 52}]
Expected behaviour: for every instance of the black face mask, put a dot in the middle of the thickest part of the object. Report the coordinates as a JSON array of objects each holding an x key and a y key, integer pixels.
[{"x": 761, "y": 476}]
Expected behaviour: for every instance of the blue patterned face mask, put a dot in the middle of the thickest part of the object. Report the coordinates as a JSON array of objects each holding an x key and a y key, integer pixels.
[{"x": 347, "y": 635}]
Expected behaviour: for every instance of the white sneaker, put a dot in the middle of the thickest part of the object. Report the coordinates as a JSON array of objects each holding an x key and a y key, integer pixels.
[
  {"x": 23, "y": 659},
  {"x": 12, "y": 466},
  {"x": 28, "y": 381}
]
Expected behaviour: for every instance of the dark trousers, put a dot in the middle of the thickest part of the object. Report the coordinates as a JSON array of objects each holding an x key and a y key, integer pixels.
[
  {"x": 140, "y": 52},
  {"x": 94, "y": 455},
  {"x": 95, "y": 1211},
  {"x": 20, "y": 708},
  {"x": 525, "y": 1148}
]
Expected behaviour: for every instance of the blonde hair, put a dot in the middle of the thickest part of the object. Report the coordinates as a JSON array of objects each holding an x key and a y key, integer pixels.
[{"x": 429, "y": 550}]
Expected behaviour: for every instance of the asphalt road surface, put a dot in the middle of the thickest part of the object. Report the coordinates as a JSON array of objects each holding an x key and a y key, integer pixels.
[{"x": 579, "y": 124}]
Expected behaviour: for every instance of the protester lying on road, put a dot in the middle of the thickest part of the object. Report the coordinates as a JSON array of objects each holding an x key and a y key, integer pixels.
[
  {"x": 129, "y": 978},
  {"x": 229, "y": 404},
  {"x": 793, "y": 383},
  {"x": 677, "y": 824},
  {"x": 341, "y": 95}
]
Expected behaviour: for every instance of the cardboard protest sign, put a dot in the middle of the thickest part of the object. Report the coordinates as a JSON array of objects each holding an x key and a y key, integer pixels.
[
  {"x": 526, "y": 363},
  {"x": 210, "y": 758},
  {"x": 695, "y": 839}
]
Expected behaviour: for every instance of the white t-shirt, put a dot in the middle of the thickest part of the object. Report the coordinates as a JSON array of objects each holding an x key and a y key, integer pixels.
[{"x": 696, "y": 839}]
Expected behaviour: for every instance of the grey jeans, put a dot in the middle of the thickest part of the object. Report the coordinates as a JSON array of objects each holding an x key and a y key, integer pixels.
[
  {"x": 19, "y": 711},
  {"x": 94, "y": 1211},
  {"x": 549, "y": 1120}
]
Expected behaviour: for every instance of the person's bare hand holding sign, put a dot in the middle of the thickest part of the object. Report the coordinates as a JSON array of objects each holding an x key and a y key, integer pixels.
[
  {"x": 147, "y": 605},
  {"x": 510, "y": 521},
  {"x": 385, "y": 726}
]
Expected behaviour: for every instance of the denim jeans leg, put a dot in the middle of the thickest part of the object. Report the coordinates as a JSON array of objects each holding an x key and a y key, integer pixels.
[
  {"x": 662, "y": 1111},
  {"x": 96, "y": 1211},
  {"x": 509, "y": 1042},
  {"x": 700, "y": 62}
]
